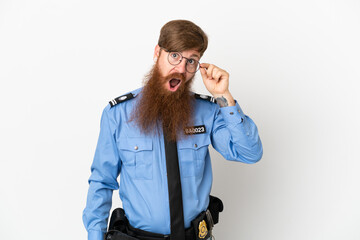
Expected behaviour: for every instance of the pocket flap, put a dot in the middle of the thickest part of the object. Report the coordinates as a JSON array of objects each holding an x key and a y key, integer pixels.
[
  {"x": 135, "y": 144},
  {"x": 194, "y": 142}
]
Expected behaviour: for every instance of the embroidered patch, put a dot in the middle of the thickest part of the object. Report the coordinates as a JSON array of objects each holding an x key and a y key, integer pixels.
[
  {"x": 202, "y": 229},
  {"x": 195, "y": 130}
]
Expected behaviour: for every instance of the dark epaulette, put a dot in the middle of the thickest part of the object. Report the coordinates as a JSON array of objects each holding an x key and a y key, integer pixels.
[
  {"x": 121, "y": 99},
  {"x": 205, "y": 97}
]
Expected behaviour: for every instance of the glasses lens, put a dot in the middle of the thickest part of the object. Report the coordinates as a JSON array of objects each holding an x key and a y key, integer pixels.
[
  {"x": 174, "y": 58},
  {"x": 192, "y": 65}
]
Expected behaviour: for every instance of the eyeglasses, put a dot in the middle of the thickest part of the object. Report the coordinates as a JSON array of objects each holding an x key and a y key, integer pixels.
[{"x": 175, "y": 58}]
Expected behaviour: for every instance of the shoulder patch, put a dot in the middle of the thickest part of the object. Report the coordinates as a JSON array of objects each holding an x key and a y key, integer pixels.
[
  {"x": 121, "y": 99},
  {"x": 205, "y": 97}
]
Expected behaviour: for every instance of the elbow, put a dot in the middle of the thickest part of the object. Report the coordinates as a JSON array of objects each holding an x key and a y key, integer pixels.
[
  {"x": 247, "y": 153},
  {"x": 258, "y": 152},
  {"x": 257, "y": 156},
  {"x": 253, "y": 155}
]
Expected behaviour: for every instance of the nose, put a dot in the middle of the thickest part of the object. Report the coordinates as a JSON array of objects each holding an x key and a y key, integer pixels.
[{"x": 181, "y": 67}]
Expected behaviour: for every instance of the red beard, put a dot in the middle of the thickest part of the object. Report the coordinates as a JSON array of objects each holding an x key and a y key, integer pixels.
[{"x": 159, "y": 106}]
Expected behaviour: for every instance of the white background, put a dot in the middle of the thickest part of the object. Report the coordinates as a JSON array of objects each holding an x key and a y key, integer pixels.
[{"x": 294, "y": 69}]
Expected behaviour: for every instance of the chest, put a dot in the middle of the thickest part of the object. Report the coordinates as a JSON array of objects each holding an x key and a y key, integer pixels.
[{"x": 143, "y": 155}]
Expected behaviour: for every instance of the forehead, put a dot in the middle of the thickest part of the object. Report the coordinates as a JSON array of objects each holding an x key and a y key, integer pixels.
[{"x": 191, "y": 54}]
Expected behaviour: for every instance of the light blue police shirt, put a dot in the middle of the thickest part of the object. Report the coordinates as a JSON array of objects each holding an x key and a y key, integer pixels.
[{"x": 140, "y": 159}]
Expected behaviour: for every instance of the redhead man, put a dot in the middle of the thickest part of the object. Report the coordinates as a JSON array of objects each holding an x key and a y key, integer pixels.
[{"x": 157, "y": 139}]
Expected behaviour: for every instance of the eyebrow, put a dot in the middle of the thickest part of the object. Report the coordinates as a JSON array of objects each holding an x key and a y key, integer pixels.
[{"x": 195, "y": 55}]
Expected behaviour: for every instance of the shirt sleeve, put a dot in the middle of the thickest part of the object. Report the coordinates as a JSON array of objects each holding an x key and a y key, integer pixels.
[
  {"x": 103, "y": 180},
  {"x": 235, "y": 135}
]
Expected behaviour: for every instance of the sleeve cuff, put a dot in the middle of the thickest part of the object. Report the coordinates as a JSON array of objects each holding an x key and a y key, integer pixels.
[
  {"x": 232, "y": 114},
  {"x": 95, "y": 235}
]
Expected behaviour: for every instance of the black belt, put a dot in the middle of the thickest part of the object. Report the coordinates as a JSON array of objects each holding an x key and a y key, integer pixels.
[{"x": 201, "y": 226}]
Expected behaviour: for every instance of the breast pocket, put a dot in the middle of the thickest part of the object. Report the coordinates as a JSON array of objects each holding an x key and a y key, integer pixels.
[
  {"x": 137, "y": 157},
  {"x": 192, "y": 152}
]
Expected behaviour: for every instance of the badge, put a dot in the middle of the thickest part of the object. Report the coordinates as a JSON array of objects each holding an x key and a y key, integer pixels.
[
  {"x": 195, "y": 130},
  {"x": 202, "y": 229}
]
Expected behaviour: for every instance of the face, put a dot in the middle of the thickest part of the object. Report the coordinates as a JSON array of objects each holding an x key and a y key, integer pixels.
[{"x": 175, "y": 75}]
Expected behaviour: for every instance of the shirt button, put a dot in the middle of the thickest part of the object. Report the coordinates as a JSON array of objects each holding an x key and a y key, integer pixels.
[
  {"x": 195, "y": 145},
  {"x": 136, "y": 147},
  {"x": 231, "y": 113},
  {"x": 239, "y": 110}
]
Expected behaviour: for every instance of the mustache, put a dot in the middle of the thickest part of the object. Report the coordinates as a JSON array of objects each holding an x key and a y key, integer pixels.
[{"x": 180, "y": 76}]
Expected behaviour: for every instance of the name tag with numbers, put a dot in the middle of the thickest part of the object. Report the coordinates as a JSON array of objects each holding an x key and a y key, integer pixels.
[{"x": 195, "y": 130}]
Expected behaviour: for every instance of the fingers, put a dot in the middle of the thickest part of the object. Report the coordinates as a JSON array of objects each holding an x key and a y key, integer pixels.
[
  {"x": 211, "y": 72},
  {"x": 216, "y": 80},
  {"x": 203, "y": 73},
  {"x": 217, "y": 74},
  {"x": 206, "y": 70},
  {"x": 204, "y": 65}
]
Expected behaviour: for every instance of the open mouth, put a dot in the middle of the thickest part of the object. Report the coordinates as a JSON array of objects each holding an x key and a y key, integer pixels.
[{"x": 174, "y": 84}]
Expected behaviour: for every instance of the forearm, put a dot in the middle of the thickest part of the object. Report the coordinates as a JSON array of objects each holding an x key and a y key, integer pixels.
[{"x": 98, "y": 205}]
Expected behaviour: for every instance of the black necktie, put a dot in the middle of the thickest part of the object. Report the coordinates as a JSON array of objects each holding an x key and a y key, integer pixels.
[{"x": 175, "y": 194}]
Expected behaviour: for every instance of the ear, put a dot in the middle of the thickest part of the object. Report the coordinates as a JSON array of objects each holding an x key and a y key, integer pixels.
[{"x": 157, "y": 51}]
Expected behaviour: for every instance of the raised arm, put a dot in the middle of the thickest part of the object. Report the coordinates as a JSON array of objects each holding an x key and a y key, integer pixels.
[{"x": 234, "y": 134}]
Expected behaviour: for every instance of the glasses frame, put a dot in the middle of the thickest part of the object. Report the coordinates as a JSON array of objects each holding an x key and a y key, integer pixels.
[{"x": 187, "y": 60}]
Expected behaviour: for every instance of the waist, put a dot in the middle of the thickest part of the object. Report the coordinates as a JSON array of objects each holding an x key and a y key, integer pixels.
[
  {"x": 149, "y": 215},
  {"x": 124, "y": 231},
  {"x": 200, "y": 228}
]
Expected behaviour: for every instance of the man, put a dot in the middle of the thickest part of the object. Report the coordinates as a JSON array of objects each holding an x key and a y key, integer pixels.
[{"x": 157, "y": 137}]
